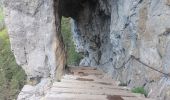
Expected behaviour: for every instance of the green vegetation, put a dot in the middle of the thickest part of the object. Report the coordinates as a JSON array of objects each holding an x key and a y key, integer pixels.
[
  {"x": 73, "y": 58},
  {"x": 12, "y": 77},
  {"x": 1, "y": 15},
  {"x": 140, "y": 90}
]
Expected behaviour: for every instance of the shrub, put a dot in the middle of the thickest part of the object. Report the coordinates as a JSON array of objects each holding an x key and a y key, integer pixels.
[
  {"x": 140, "y": 90},
  {"x": 73, "y": 58},
  {"x": 12, "y": 77}
]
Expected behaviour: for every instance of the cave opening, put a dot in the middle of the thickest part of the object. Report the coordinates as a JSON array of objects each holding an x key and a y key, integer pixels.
[
  {"x": 70, "y": 11},
  {"x": 90, "y": 29}
]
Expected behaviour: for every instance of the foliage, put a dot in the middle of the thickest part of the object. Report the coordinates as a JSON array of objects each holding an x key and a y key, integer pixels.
[
  {"x": 1, "y": 14},
  {"x": 12, "y": 77},
  {"x": 140, "y": 90},
  {"x": 73, "y": 58}
]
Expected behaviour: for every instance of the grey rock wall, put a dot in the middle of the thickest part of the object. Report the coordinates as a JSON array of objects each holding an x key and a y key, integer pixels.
[
  {"x": 34, "y": 31},
  {"x": 110, "y": 31},
  {"x": 91, "y": 30}
]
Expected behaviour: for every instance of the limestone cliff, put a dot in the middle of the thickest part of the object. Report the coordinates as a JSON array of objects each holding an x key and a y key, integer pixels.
[
  {"x": 107, "y": 32},
  {"x": 34, "y": 31},
  {"x": 111, "y": 32}
]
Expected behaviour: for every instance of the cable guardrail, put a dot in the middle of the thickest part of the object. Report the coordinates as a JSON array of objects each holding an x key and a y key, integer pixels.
[{"x": 137, "y": 59}]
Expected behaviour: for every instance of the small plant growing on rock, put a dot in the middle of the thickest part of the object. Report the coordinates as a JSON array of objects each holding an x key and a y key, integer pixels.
[{"x": 140, "y": 90}]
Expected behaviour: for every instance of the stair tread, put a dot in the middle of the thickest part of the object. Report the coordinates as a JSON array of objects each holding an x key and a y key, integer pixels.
[
  {"x": 68, "y": 96},
  {"x": 94, "y": 91},
  {"x": 90, "y": 85},
  {"x": 82, "y": 68},
  {"x": 89, "y": 82},
  {"x": 99, "y": 79}
]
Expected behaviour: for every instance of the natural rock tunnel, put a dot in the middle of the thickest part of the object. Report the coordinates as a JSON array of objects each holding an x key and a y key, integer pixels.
[
  {"x": 91, "y": 28},
  {"x": 107, "y": 32}
]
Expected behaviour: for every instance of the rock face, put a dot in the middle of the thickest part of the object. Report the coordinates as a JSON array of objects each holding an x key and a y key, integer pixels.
[
  {"x": 110, "y": 32},
  {"x": 107, "y": 32},
  {"x": 34, "y": 31}
]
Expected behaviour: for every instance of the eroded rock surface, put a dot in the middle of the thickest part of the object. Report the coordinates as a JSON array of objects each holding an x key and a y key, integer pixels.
[
  {"x": 110, "y": 31},
  {"x": 34, "y": 31}
]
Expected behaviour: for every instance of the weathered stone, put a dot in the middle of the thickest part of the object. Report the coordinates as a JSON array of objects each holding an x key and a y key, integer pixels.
[
  {"x": 35, "y": 92},
  {"x": 35, "y": 40},
  {"x": 34, "y": 31},
  {"x": 137, "y": 27},
  {"x": 25, "y": 6}
]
